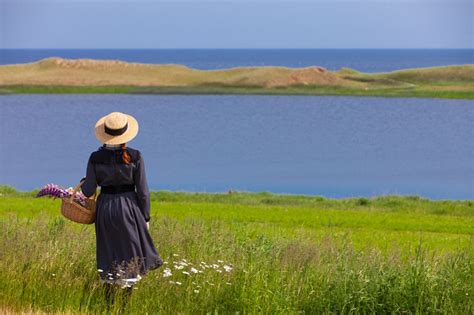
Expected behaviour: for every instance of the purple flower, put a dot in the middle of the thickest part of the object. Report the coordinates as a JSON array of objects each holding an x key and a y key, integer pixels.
[{"x": 54, "y": 191}]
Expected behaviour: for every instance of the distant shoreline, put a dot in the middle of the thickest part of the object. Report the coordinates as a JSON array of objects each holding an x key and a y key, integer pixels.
[
  {"x": 243, "y": 196},
  {"x": 89, "y": 76}
]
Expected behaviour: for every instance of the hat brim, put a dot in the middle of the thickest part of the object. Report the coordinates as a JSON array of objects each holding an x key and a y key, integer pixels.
[{"x": 129, "y": 134}]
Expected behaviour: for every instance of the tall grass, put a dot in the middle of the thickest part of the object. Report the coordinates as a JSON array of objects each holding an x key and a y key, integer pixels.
[
  {"x": 48, "y": 264},
  {"x": 285, "y": 254}
]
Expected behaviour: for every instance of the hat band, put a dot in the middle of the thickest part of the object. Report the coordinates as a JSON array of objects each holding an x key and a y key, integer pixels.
[{"x": 115, "y": 132}]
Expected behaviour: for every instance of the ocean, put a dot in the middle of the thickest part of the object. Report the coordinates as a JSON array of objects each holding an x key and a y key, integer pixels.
[{"x": 365, "y": 60}]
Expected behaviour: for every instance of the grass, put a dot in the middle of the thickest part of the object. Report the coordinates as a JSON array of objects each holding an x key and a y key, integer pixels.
[
  {"x": 289, "y": 254},
  {"x": 445, "y": 93},
  {"x": 56, "y": 75}
]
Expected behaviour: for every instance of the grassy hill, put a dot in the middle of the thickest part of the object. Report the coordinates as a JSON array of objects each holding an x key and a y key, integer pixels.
[
  {"x": 289, "y": 254},
  {"x": 57, "y": 75}
]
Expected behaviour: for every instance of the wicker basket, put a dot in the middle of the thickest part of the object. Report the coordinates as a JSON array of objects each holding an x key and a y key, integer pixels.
[{"x": 76, "y": 212}]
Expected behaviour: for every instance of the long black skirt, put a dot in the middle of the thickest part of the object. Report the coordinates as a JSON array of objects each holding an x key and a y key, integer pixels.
[{"x": 124, "y": 247}]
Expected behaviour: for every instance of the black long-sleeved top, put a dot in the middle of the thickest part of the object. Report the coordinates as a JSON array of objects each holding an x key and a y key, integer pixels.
[{"x": 106, "y": 168}]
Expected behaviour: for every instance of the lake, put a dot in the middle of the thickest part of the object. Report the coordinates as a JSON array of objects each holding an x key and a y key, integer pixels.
[{"x": 332, "y": 146}]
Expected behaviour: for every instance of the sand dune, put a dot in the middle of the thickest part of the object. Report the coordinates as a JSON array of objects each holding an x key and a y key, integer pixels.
[
  {"x": 59, "y": 71},
  {"x": 58, "y": 75}
]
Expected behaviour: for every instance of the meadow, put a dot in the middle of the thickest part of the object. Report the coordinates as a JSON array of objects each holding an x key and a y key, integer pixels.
[{"x": 251, "y": 253}]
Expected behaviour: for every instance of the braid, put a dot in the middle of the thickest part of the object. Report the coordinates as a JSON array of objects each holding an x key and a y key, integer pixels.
[{"x": 125, "y": 156}]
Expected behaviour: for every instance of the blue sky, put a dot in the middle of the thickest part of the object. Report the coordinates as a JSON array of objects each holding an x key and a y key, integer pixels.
[{"x": 236, "y": 24}]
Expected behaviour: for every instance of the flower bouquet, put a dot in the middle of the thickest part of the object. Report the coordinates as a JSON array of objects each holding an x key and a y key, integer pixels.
[
  {"x": 74, "y": 205},
  {"x": 54, "y": 191}
]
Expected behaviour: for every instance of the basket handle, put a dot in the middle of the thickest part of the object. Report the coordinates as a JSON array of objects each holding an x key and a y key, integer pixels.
[
  {"x": 75, "y": 190},
  {"x": 94, "y": 195}
]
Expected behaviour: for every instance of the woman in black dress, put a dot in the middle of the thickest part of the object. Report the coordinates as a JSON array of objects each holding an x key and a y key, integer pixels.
[{"x": 125, "y": 250}]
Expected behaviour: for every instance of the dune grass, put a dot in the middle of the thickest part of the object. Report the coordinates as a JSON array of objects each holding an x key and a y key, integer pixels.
[
  {"x": 445, "y": 92},
  {"x": 287, "y": 254},
  {"x": 57, "y": 75}
]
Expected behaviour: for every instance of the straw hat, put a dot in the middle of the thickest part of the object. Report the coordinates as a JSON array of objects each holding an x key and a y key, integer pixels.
[{"x": 116, "y": 128}]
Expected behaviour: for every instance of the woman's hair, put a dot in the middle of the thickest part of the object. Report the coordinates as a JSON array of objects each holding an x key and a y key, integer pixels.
[{"x": 125, "y": 156}]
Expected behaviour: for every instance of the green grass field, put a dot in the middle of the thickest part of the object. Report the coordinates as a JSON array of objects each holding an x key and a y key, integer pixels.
[{"x": 289, "y": 255}]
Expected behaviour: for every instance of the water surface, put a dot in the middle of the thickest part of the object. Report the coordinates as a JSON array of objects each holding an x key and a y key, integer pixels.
[
  {"x": 324, "y": 145},
  {"x": 366, "y": 60}
]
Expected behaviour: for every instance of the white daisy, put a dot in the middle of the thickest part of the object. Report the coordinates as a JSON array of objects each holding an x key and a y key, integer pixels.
[{"x": 167, "y": 272}]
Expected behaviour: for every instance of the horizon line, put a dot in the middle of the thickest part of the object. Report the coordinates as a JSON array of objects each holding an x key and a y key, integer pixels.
[{"x": 346, "y": 48}]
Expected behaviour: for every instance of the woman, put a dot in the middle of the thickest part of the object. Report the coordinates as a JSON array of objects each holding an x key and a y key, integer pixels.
[{"x": 125, "y": 250}]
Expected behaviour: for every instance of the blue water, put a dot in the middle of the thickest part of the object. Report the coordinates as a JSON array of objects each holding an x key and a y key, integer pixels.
[
  {"x": 366, "y": 60},
  {"x": 330, "y": 146}
]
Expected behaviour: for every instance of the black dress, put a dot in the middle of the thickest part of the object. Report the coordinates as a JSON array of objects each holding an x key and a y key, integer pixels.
[{"x": 125, "y": 249}]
